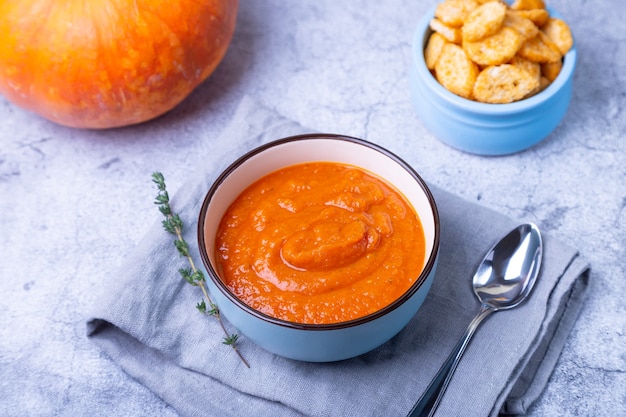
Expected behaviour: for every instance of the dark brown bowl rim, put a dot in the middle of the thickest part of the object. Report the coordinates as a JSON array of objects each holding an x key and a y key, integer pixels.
[{"x": 306, "y": 326}]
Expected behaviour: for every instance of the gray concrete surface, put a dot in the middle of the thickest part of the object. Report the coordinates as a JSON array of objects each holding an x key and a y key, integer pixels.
[{"x": 73, "y": 202}]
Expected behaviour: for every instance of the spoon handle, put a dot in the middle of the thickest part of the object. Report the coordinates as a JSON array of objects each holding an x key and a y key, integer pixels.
[{"x": 429, "y": 401}]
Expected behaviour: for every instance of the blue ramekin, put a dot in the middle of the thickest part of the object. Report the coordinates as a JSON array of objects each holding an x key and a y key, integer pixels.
[{"x": 481, "y": 128}]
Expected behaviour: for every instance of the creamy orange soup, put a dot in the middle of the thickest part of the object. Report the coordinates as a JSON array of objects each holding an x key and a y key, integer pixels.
[{"x": 320, "y": 243}]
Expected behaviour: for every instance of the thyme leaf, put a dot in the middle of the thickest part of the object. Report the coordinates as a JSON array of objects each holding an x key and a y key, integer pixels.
[{"x": 173, "y": 224}]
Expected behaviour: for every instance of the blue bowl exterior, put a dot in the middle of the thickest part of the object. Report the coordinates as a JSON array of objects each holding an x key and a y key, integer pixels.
[
  {"x": 480, "y": 128},
  {"x": 321, "y": 342},
  {"x": 322, "y": 345}
]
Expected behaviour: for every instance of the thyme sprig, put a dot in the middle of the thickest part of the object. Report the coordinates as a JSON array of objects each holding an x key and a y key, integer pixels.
[{"x": 174, "y": 225}]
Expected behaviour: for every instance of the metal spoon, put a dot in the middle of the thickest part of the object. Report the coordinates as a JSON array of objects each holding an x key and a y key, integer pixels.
[{"x": 503, "y": 280}]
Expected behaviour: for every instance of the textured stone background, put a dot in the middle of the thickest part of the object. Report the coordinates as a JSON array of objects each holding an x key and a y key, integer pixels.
[{"x": 73, "y": 202}]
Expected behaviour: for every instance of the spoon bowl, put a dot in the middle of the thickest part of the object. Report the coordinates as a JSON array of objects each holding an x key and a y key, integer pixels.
[
  {"x": 508, "y": 272},
  {"x": 503, "y": 280}
]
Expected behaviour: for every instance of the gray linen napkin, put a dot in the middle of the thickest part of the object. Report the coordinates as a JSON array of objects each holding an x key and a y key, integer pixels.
[{"x": 148, "y": 325}]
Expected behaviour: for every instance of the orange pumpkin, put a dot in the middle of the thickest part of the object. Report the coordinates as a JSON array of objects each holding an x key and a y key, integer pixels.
[{"x": 108, "y": 63}]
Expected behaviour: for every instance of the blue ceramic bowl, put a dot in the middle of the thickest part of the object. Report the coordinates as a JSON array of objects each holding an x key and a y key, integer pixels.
[
  {"x": 318, "y": 342},
  {"x": 480, "y": 128}
]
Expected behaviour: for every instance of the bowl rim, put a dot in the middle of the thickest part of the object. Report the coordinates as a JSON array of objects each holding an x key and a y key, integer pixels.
[
  {"x": 429, "y": 265},
  {"x": 418, "y": 61}
]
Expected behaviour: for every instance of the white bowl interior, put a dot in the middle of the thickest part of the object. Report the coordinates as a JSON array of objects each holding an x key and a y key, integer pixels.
[{"x": 319, "y": 149}]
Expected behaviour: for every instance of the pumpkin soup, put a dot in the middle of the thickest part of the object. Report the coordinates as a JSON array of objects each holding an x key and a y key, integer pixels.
[{"x": 320, "y": 243}]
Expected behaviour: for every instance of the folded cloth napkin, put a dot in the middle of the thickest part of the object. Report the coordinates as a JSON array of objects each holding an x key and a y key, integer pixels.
[{"x": 147, "y": 322}]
